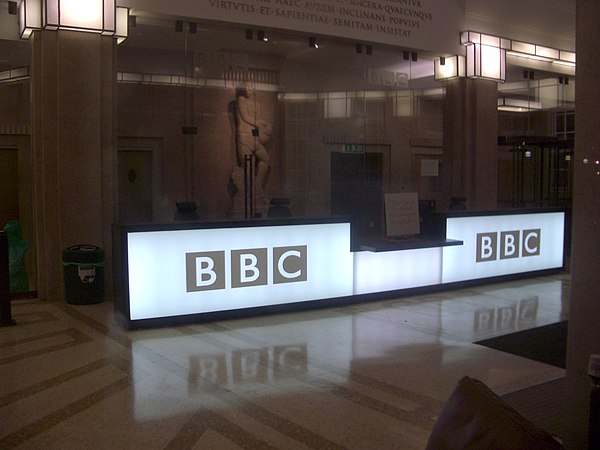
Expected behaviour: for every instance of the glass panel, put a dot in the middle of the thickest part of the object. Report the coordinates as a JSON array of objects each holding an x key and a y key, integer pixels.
[{"x": 327, "y": 129}]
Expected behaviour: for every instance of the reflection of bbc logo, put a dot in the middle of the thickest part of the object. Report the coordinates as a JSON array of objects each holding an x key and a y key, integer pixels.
[
  {"x": 508, "y": 244},
  {"x": 249, "y": 267}
]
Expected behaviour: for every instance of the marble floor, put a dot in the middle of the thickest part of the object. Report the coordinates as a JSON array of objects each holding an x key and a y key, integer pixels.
[{"x": 371, "y": 375}]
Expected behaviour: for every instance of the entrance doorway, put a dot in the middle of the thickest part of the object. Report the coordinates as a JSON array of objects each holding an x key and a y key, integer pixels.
[
  {"x": 357, "y": 190},
  {"x": 9, "y": 185},
  {"x": 135, "y": 186}
]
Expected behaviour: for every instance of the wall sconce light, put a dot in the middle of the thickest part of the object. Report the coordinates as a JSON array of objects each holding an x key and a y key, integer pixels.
[
  {"x": 486, "y": 55},
  {"x": 368, "y": 49},
  {"x": 312, "y": 42},
  {"x": 563, "y": 80},
  {"x": 528, "y": 74},
  {"x": 449, "y": 67},
  {"x": 261, "y": 36},
  {"x": 92, "y": 16}
]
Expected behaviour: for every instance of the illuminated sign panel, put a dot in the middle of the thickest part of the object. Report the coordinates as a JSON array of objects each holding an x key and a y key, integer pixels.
[
  {"x": 395, "y": 270},
  {"x": 181, "y": 272},
  {"x": 187, "y": 272},
  {"x": 503, "y": 245}
]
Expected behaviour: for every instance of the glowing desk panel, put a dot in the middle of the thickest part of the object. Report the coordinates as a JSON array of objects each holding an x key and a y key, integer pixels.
[{"x": 173, "y": 273}]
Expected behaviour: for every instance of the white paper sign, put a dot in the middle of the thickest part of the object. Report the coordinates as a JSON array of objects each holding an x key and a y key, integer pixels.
[
  {"x": 402, "y": 214},
  {"x": 429, "y": 168}
]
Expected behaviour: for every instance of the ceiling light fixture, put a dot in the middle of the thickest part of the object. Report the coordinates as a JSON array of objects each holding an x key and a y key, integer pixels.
[
  {"x": 91, "y": 16},
  {"x": 541, "y": 53},
  {"x": 486, "y": 55},
  {"x": 448, "y": 67}
]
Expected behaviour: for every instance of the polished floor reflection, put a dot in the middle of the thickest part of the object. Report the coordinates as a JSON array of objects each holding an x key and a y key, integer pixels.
[{"x": 372, "y": 375}]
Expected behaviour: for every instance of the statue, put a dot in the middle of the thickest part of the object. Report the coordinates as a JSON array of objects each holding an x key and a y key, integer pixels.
[{"x": 253, "y": 134}]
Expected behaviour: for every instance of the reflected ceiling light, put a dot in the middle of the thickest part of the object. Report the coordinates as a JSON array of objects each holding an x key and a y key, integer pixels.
[
  {"x": 518, "y": 105},
  {"x": 564, "y": 63},
  {"x": 16, "y": 74},
  {"x": 449, "y": 67},
  {"x": 486, "y": 55},
  {"x": 93, "y": 16}
]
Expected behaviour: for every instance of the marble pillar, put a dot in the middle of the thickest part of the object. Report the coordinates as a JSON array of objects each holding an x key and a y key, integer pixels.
[
  {"x": 584, "y": 311},
  {"x": 73, "y": 98},
  {"x": 470, "y": 166}
]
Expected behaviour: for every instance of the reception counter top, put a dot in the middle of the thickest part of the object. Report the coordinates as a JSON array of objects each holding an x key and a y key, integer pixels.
[
  {"x": 193, "y": 271},
  {"x": 378, "y": 244}
]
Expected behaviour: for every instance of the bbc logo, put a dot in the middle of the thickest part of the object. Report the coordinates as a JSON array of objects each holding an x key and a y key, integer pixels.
[
  {"x": 249, "y": 267},
  {"x": 508, "y": 244}
]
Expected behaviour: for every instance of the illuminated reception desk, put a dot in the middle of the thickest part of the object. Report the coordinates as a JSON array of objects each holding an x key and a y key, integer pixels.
[{"x": 182, "y": 272}]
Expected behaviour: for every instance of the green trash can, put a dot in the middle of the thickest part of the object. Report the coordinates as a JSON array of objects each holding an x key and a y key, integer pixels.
[
  {"x": 17, "y": 247},
  {"x": 84, "y": 274}
]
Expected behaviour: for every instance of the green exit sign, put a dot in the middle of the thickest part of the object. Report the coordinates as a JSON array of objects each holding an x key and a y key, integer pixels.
[{"x": 353, "y": 148}]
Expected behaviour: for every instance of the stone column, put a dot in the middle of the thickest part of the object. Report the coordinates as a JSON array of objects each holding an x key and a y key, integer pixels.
[
  {"x": 584, "y": 311},
  {"x": 470, "y": 166},
  {"x": 73, "y": 98}
]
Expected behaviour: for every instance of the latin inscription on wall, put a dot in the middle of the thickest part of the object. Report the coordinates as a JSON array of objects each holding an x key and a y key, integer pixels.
[{"x": 417, "y": 24}]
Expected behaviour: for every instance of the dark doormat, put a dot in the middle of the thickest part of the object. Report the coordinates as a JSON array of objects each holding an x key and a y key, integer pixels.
[
  {"x": 547, "y": 344},
  {"x": 542, "y": 404}
]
